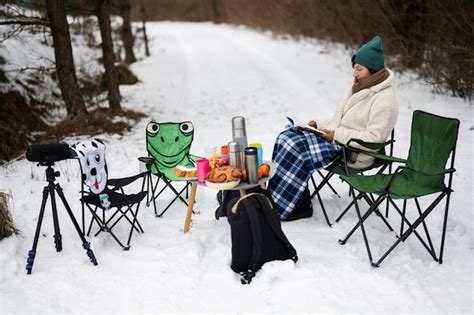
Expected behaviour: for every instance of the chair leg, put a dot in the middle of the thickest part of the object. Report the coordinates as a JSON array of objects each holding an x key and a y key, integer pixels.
[
  {"x": 441, "y": 249},
  {"x": 343, "y": 213},
  {"x": 328, "y": 183},
  {"x": 94, "y": 218},
  {"x": 176, "y": 192},
  {"x": 364, "y": 217},
  {"x": 407, "y": 233},
  {"x": 370, "y": 202},
  {"x": 178, "y": 195},
  {"x": 425, "y": 227},
  {"x": 323, "y": 209},
  {"x": 124, "y": 215},
  {"x": 325, "y": 181},
  {"x": 135, "y": 220},
  {"x": 148, "y": 179},
  {"x": 403, "y": 216},
  {"x": 154, "y": 196},
  {"x": 361, "y": 223},
  {"x": 103, "y": 227},
  {"x": 412, "y": 228}
]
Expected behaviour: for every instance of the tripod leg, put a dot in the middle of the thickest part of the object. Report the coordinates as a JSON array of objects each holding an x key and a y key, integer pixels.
[
  {"x": 85, "y": 244},
  {"x": 58, "y": 243},
  {"x": 32, "y": 253}
]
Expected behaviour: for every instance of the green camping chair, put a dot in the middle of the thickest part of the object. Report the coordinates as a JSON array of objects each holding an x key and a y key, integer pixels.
[
  {"x": 168, "y": 145},
  {"x": 433, "y": 141},
  {"x": 340, "y": 167}
]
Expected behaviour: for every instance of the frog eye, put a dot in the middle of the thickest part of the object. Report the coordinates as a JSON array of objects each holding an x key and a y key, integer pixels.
[
  {"x": 153, "y": 128},
  {"x": 186, "y": 127}
]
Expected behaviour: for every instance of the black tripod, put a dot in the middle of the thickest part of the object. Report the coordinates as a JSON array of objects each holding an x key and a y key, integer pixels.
[{"x": 49, "y": 189}]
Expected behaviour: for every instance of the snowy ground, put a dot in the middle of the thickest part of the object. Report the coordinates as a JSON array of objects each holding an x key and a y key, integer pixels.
[{"x": 208, "y": 73}]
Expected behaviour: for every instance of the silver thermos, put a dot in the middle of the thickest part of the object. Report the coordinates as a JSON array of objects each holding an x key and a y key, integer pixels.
[
  {"x": 234, "y": 155},
  {"x": 239, "y": 135},
  {"x": 251, "y": 164}
]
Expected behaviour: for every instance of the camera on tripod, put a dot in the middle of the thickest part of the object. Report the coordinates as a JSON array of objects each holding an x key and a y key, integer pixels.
[{"x": 47, "y": 154}]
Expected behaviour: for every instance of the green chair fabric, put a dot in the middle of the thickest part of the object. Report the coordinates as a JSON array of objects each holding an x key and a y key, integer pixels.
[
  {"x": 429, "y": 142},
  {"x": 433, "y": 141},
  {"x": 168, "y": 145}
]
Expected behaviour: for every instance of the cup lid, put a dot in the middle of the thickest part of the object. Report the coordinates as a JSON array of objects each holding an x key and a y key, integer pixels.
[
  {"x": 238, "y": 122},
  {"x": 250, "y": 151},
  {"x": 233, "y": 147}
]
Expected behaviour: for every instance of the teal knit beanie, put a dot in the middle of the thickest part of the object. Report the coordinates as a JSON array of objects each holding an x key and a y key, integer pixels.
[{"x": 370, "y": 55}]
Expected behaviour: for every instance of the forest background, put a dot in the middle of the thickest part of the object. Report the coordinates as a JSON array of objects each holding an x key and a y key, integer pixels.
[{"x": 432, "y": 38}]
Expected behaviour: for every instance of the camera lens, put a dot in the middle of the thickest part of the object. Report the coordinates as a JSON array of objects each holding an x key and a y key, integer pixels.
[{"x": 48, "y": 153}]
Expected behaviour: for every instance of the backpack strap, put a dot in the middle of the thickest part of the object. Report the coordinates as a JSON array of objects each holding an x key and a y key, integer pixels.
[
  {"x": 257, "y": 249},
  {"x": 275, "y": 225}
]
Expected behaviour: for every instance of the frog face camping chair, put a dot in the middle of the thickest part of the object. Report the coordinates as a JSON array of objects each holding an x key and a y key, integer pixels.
[
  {"x": 168, "y": 145},
  {"x": 107, "y": 195},
  {"x": 340, "y": 166},
  {"x": 433, "y": 142}
]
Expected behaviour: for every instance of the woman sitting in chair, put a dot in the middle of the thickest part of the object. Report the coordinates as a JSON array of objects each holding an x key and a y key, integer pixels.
[{"x": 368, "y": 111}]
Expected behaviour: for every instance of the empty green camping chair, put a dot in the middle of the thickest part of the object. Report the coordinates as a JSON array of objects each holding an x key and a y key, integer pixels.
[
  {"x": 340, "y": 167},
  {"x": 433, "y": 141},
  {"x": 168, "y": 145}
]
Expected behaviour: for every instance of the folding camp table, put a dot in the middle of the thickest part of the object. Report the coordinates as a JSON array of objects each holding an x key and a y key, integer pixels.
[{"x": 242, "y": 187}]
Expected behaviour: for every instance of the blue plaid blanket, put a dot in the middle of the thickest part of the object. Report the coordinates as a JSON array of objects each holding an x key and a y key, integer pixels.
[{"x": 297, "y": 154}]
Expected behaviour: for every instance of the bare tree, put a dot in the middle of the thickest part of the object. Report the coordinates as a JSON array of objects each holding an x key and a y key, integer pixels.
[
  {"x": 127, "y": 36},
  {"x": 145, "y": 37},
  {"x": 108, "y": 54},
  {"x": 64, "y": 59}
]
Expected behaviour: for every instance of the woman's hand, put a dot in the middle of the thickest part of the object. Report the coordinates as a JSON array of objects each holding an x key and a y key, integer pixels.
[
  {"x": 329, "y": 136},
  {"x": 313, "y": 124}
]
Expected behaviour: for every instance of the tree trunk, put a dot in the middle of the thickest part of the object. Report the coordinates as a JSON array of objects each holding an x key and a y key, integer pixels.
[
  {"x": 145, "y": 37},
  {"x": 215, "y": 11},
  {"x": 127, "y": 36},
  {"x": 108, "y": 54},
  {"x": 64, "y": 60}
]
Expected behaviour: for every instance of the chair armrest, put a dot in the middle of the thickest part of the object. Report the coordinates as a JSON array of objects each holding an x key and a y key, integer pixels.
[
  {"x": 446, "y": 171},
  {"x": 194, "y": 158},
  {"x": 118, "y": 183},
  {"x": 372, "y": 146},
  {"x": 147, "y": 159},
  {"x": 402, "y": 168},
  {"x": 384, "y": 157},
  {"x": 368, "y": 145}
]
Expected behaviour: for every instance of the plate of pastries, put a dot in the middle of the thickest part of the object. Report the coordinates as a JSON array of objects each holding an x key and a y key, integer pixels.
[
  {"x": 224, "y": 177},
  {"x": 188, "y": 173}
]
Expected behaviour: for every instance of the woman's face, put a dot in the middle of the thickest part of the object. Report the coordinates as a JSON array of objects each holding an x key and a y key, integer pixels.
[{"x": 360, "y": 72}]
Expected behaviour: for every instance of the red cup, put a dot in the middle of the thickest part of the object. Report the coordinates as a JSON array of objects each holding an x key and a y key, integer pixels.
[{"x": 202, "y": 166}]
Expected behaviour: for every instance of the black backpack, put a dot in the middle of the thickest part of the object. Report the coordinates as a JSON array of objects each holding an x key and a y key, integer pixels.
[
  {"x": 256, "y": 235},
  {"x": 226, "y": 197}
]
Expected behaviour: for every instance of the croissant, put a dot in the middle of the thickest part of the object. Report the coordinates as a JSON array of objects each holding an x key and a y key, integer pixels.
[
  {"x": 183, "y": 171},
  {"x": 224, "y": 174},
  {"x": 179, "y": 172}
]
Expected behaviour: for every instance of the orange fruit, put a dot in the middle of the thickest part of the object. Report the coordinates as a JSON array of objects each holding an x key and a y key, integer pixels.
[{"x": 263, "y": 170}]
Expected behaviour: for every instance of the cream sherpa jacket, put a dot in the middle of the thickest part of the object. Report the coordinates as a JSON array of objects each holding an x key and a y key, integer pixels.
[{"x": 369, "y": 115}]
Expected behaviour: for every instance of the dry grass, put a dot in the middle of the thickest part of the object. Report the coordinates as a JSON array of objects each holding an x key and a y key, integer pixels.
[
  {"x": 94, "y": 123},
  {"x": 6, "y": 223}
]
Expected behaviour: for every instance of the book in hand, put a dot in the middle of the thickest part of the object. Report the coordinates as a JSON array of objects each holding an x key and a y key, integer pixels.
[{"x": 302, "y": 126}]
